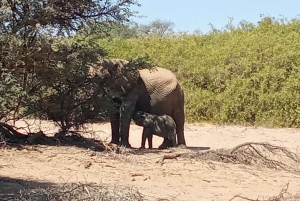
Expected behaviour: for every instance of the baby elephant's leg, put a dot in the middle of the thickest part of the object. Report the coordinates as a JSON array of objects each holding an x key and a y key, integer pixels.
[
  {"x": 145, "y": 135},
  {"x": 150, "y": 141},
  {"x": 143, "y": 142},
  {"x": 172, "y": 138}
]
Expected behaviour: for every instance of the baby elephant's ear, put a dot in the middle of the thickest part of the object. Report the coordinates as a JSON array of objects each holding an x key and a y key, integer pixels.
[{"x": 143, "y": 115}]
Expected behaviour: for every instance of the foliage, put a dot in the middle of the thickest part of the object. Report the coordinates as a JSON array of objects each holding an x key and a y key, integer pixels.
[
  {"x": 43, "y": 69},
  {"x": 108, "y": 30},
  {"x": 157, "y": 27},
  {"x": 116, "y": 29},
  {"x": 59, "y": 16},
  {"x": 11, "y": 89},
  {"x": 244, "y": 74},
  {"x": 61, "y": 90}
]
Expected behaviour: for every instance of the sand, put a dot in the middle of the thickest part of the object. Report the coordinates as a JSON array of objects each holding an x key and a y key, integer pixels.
[{"x": 175, "y": 179}]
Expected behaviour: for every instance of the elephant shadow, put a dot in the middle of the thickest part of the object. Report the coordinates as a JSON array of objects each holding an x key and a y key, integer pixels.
[
  {"x": 198, "y": 148},
  {"x": 77, "y": 140},
  {"x": 138, "y": 151}
]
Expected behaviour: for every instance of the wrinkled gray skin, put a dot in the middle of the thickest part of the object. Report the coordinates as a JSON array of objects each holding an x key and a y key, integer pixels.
[
  {"x": 160, "y": 125},
  {"x": 156, "y": 91}
]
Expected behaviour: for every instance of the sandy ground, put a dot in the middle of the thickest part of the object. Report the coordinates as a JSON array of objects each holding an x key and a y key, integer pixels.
[{"x": 181, "y": 179}]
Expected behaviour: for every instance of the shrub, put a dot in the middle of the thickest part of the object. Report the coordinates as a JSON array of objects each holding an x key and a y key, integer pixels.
[{"x": 245, "y": 74}]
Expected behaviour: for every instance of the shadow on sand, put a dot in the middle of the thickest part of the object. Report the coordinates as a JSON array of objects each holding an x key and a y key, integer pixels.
[
  {"x": 138, "y": 151},
  {"x": 11, "y": 187},
  {"x": 75, "y": 139},
  {"x": 198, "y": 148},
  {"x": 71, "y": 139}
]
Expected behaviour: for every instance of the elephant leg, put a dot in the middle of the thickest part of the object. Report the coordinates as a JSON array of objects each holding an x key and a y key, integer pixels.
[
  {"x": 144, "y": 137},
  {"x": 166, "y": 143},
  {"x": 127, "y": 109},
  {"x": 150, "y": 139},
  {"x": 179, "y": 119},
  {"x": 115, "y": 123}
]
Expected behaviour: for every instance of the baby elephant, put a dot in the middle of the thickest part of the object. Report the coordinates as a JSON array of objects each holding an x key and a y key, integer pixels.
[{"x": 163, "y": 126}]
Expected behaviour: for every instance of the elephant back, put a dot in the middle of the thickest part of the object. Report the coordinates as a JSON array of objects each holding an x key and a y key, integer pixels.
[{"x": 160, "y": 82}]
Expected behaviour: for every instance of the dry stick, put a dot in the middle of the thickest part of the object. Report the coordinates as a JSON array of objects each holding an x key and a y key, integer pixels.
[
  {"x": 279, "y": 196},
  {"x": 245, "y": 198},
  {"x": 87, "y": 190},
  {"x": 270, "y": 148},
  {"x": 107, "y": 147},
  {"x": 173, "y": 156},
  {"x": 267, "y": 161},
  {"x": 222, "y": 156},
  {"x": 274, "y": 162},
  {"x": 10, "y": 132},
  {"x": 243, "y": 145},
  {"x": 252, "y": 152}
]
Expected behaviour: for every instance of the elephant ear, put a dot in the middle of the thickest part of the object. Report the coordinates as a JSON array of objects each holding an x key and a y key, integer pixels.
[{"x": 159, "y": 82}]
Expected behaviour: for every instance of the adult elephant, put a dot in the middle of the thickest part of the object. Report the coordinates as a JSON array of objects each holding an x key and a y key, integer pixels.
[{"x": 154, "y": 90}]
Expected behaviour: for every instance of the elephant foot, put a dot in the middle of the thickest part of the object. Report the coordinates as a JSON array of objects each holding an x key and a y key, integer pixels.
[
  {"x": 182, "y": 146},
  {"x": 125, "y": 144},
  {"x": 166, "y": 143}
]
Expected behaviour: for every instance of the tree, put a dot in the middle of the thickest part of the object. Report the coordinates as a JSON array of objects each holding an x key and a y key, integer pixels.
[
  {"x": 43, "y": 70},
  {"x": 158, "y": 27},
  {"x": 62, "y": 15},
  {"x": 109, "y": 30}
]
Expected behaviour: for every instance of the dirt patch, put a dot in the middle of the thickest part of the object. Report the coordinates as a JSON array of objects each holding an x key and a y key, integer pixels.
[{"x": 177, "y": 178}]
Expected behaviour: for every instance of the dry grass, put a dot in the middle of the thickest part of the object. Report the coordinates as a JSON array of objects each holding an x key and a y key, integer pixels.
[
  {"x": 254, "y": 153},
  {"x": 78, "y": 192}
]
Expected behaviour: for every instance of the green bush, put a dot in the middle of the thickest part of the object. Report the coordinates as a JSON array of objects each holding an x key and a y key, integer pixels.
[{"x": 245, "y": 74}]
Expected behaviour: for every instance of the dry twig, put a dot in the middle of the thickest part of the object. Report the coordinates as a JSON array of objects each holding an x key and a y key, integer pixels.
[
  {"x": 172, "y": 156},
  {"x": 87, "y": 192},
  {"x": 255, "y": 153},
  {"x": 282, "y": 196}
]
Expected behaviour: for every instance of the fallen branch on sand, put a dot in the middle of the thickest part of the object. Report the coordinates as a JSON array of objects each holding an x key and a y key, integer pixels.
[
  {"x": 255, "y": 153},
  {"x": 9, "y": 132},
  {"x": 282, "y": 196},
  {"x": 172, "y": 156}
]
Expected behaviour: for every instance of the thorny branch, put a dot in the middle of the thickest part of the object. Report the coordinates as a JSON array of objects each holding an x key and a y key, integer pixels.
[
  {"x": 255, "y": 153},
  {"x": 280, "y": 197}
]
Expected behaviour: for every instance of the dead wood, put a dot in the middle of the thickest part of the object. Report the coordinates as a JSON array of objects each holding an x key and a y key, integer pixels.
[
  {"x": 255, "y": 153},
  {"x": 282, "y": 196},
  {"x": 10, "y": 133},
  {"x": 172, "y": 156}
]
